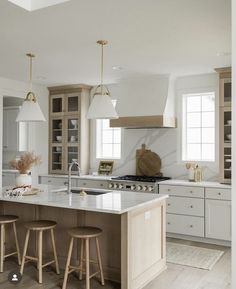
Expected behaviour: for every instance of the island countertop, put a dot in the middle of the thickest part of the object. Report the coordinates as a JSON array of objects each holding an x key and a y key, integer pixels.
[{"x": 114, "y": 202}]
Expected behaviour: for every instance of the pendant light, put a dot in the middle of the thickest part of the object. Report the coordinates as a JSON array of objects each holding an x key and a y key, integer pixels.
[
  {"x": 101, "y": 106},
  {"x": 30, "y": 110}
]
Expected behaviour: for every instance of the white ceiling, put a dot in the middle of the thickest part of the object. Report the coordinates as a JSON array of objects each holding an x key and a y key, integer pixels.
[{"x": 145, "y": 37}]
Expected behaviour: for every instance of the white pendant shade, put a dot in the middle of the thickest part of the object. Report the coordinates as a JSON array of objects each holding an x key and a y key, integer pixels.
[
  {"x": 101, "y": 107},
  {"x": 30, "y": 111}
]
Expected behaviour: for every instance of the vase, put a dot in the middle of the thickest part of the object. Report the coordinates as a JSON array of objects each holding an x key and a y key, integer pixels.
[{"x": 23, "y": 180}]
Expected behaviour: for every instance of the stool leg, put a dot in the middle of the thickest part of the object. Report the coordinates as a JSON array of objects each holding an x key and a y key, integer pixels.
[
  {"x": 24, "y": 252},
  {"x": 68, "y": 263},
  {"x": 40, "y": 256},
  {"x": 87, "y": 262},
  {"x": 2, "y": 247},
  {"x": 99, "y": 261},
  {"x": 81, "y": 259},
  {"x": 54, "y": 251},
  {"x": 17, "y": 243}
]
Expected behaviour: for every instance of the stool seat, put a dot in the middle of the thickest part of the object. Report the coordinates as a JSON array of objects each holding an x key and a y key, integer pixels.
[
  {"x": 85, "y": 232},
  {"x": 5, "y": 219},
  {"x": 40, "y": 225}
]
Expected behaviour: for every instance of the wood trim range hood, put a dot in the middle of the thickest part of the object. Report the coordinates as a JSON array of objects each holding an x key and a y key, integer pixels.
[
  {"x": 145, "y": 103},
  {"x": 152, "y": 121}
]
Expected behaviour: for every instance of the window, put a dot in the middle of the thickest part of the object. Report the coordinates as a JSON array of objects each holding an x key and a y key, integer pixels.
[
  {"x": 198, "y": 135},
  {"x": 108, "y": 140}
]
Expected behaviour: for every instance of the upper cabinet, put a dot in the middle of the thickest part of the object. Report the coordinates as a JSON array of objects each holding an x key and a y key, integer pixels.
[
  {"x": 15, "y": 134},
  {"x": 225, "y": 134},
  {"x": 68, "y": 128}
]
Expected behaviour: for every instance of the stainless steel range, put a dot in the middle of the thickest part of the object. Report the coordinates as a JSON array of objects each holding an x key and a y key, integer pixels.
[{"x": 136, "y": 183}]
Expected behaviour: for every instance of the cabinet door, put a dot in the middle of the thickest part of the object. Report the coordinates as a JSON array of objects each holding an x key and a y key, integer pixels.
[
  {"x": 72, "y": 105},
  {"x": 72, "y": 141},
  {"x": 8, "y": 179},
  {"x": 218, "y": 219},
  {"x": 57, "y": 105},
  {"x": 56, "y": 145},
  {"x": 10, "y": 130}
]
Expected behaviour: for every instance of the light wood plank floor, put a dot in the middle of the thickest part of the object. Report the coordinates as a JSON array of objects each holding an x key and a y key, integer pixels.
[{"x": 175, "y": 277}]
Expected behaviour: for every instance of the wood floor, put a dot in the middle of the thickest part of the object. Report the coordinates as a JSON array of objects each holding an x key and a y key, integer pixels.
[{"x": 175, "y": 277}]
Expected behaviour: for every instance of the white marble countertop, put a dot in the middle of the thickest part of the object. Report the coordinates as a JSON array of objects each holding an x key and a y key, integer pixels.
[
  {"x": 82, "y": 177},
  {"x": 195, "y": 184},
  {"x": 114, "y": 202}
]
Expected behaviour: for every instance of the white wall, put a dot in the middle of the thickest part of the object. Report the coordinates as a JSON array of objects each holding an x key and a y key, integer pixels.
[
  {"x": 38, "y": 132},
  {"x": 165, "y": 142}
]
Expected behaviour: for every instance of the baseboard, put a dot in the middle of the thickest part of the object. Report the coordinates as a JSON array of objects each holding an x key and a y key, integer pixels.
[{"x": 199, "y": 239}]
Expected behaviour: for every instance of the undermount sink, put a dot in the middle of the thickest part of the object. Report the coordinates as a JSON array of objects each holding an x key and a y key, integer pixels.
[{"x": 89, "y": 192}]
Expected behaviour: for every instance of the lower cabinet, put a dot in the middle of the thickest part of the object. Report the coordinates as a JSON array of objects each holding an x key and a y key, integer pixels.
[
  {"x": 218, "y": 219},
  {"x": 198, "y": 211},
  {"x": 8, "y": 179},
  {"x": 76, "y": 182},
  {"x": 186, "y": 225}
]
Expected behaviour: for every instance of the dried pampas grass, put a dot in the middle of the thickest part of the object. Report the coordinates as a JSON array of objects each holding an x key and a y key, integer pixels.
[{"x": 26, "y": 161}]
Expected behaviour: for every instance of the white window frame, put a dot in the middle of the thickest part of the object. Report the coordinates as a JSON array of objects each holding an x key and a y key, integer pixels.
[
  {"x": 99, "y": 157},
  {"x": 184, "y": 126}
]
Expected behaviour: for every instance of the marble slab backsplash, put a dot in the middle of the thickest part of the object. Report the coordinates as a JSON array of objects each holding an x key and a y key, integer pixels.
[{"x": 164, "y": 142}]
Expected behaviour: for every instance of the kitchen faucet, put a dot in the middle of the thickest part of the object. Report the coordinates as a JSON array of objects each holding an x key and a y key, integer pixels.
[{"x": 69, "y": 174}]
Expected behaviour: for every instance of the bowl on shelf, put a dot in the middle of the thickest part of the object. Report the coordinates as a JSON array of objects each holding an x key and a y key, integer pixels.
[
  {"x": 59, "y": 138},
  {"x": 229, "y": 121},
  {"x": 228, "y": 136},
  {"x": 58, "y": 149},
  {"x": 74, "y": 122}
]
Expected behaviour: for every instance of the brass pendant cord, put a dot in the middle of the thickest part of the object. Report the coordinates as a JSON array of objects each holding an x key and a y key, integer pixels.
[
  {"x": 102, "y": 69},
  {"x": 31, "y": 96}
]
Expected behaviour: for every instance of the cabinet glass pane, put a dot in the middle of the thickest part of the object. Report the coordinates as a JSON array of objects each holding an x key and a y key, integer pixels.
[
  {"x": 227, "y": 92},
  {"x": 57, "y": 130},
  {"x": 72, "y": 155},
  {"x": 57, "y": 158},
  {"x": 73, "y": 103},
  {"x": 57, "y": 105},
  {"x": 72, "y": 128}
]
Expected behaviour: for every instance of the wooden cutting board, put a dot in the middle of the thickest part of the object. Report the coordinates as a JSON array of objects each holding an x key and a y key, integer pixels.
[{"x": 148, "y": 163}]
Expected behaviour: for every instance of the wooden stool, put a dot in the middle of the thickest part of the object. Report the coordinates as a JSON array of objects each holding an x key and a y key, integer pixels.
[
  {"x": 40, "y": 226},
  {"x": 84, "y": 234},
  {"x": 4, "y": 220}
]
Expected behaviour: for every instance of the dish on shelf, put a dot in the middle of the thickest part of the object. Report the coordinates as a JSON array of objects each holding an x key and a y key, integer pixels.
[
  {"x": 228, "y": 136},
  {"x": 74, "y": 122},
  {"x": 59, "y": 138},
  {"x": 229, "y": 121},
  {"x": 58, "y": 149},
  {"x": 228, "y": 160}
]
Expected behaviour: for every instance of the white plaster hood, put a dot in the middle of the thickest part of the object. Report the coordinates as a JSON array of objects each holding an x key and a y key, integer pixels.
[{"x": 145, "y": 103}]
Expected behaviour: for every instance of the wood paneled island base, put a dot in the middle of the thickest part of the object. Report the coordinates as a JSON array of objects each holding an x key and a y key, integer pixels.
[{"x": 132, "y": 243}]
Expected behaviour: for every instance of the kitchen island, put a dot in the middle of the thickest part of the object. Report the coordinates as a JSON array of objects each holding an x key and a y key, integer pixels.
[{"x": 133, "y": 224}]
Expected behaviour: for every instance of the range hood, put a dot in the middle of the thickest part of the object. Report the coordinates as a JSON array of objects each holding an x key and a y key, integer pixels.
[{"x": 145, "y": 103}]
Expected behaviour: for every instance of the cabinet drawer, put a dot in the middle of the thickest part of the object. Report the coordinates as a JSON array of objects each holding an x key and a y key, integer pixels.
[
  {"x": 56, "y": 181},
  {"x": 185, "y": 225},
  {"x": 218, "y": 194},
  {"x": 194, "y": 192},
  {"x": 185, "y": 206},
  {"x": 86, "y": 183}
]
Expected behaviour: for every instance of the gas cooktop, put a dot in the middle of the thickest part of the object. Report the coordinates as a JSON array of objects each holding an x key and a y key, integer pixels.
[{"x": 146, "y": 179}]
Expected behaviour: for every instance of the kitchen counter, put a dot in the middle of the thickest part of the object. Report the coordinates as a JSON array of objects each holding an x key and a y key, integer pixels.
[
  {"x": 205, "y": 184},
  {"x": 115, "y": 202},
  {"x": 129, "y": 221},
  {"x": 10, "y": 171},
  {"x": 82, "y": 177}
]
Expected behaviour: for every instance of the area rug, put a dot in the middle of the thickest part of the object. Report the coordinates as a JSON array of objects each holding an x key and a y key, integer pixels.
[{"x": 192, "y": 256}]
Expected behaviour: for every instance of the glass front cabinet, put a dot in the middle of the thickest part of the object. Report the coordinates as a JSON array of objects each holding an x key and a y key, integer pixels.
[
  {"x": 225, "y": 123},
  {"x": 68, "y": 128}
]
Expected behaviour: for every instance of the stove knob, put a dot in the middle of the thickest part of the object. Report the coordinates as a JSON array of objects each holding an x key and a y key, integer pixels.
[
  {"x": 144, "y": 188},
  {"x": 133, "y": 187},
  {"x": 150, "y": 189},
  {"x": 121, "y": 186},
  {"x": 110, "y": 186},
  {"x": 139, "y": 188}
]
